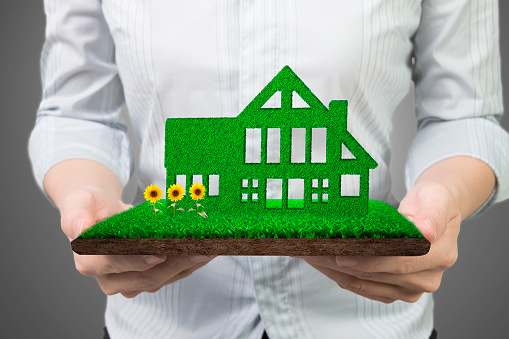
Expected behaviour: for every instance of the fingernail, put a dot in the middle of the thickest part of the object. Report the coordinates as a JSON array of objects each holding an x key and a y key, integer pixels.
[
  {"x": 152, "y": 260},
  {"x": 78, "y": 226},
  {"x": 200, "y": 258},
  {"x": 347, "y": 261},
  {"x": 431, "y": 226}
]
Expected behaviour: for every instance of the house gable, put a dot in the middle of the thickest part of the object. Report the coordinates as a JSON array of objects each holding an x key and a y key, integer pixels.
[{"x": 286, "y": 82}]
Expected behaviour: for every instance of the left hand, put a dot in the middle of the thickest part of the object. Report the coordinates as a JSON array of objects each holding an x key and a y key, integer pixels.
[{"x": 433, "y": 209}]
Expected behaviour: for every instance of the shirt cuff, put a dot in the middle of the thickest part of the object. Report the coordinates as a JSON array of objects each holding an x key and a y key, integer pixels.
[
  {"x": 479, "y": 138},
  {"x": 55, "y": 139}
]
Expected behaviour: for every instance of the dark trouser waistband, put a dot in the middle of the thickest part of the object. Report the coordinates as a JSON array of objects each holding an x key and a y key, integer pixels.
[{"x": 434, "y": 334}]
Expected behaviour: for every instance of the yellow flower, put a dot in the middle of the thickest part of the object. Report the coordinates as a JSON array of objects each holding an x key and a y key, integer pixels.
[
  {"x": 153, "y": 193},
  {"x": 175, "y": 192},
  {"x": 197, "y": 191}
]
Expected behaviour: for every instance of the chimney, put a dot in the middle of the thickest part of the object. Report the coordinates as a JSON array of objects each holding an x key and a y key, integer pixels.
[{"x": 339, "y": 109}]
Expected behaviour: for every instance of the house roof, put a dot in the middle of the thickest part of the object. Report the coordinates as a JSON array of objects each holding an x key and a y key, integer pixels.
[
  {"x": 287, "y": 82},
  {"x": 256, "y": 116}
]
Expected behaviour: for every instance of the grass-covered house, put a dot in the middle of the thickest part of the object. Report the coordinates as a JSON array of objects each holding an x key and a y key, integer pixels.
[{"x": 284, "y": 159}]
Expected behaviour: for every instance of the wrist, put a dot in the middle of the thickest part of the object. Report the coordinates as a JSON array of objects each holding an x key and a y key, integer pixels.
[{"x": 470, "y": 181}]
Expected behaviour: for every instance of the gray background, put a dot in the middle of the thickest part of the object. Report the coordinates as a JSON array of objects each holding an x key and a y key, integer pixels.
[{"x": 43, "y": 296}]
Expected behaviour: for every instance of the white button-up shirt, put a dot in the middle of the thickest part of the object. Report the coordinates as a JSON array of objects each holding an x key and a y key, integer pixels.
[{"x": 210, "y": 58}]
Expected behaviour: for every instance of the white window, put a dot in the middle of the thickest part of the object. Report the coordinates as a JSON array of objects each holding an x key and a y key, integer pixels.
[
  {"x": 181, "y": 180},
  {"x": 273, "y": 145},
  {"x": 318, "y": 145},
  {"x": 350, "y": 185},
  {"x": 345, "y": 153},
  {"x": 314, "y": 197},
  {"x": 197, "y": 179},
  {"x": 325, "y": 183},
  {"x": 255, "y": 183},
  {"x": 245, "y": 183},
  {"x": 213, "y": 185},
  {"x": 274, "y": 101},
  {"x": 274, "y": 193},
  {"x": 298, "y": 102},
  {"x": 295, "y": 193},
  {"x": 315, "y": 183},
  {"x": 253, "y": 145},
  {"x": 298, "y": 145},
  {"x": 254, "y": 196}
]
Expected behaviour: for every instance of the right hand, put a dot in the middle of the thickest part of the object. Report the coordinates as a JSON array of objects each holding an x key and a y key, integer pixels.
[{"x": 128, "y": 275}]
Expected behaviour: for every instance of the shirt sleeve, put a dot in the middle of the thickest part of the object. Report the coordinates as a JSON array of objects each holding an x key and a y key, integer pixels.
[
  {"x": 458, "y": 90},
  {"x": 79, "y": 114}
]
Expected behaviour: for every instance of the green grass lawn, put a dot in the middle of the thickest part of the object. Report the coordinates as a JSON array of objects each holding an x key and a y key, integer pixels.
[{"x": 382, "y": 221}]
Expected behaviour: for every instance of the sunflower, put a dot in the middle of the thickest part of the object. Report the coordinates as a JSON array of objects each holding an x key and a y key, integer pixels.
[
  {"x": 175, "y": 192},
  {"x": 153, "y": 193},
  {"x": 197, "y": 191}
]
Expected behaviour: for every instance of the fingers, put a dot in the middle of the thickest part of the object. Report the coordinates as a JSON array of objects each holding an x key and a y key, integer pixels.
[
  {"x": 133, "y": 283},
  {"x": 99, "y": 265},
  {"x": 442, "y": 255},
  {"x": 181, "y": 275},
  {"x": 414, "y": 274},
  {"x": 129, "y": 275},
  {"x": 386, "y": 293},
  {"x": 433, "y": 210},
  {"x": 423, "y": 281},
  {"x": 393, "y": 265}
]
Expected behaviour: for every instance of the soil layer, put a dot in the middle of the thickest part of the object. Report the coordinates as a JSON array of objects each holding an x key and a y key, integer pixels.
[{"x": 259, "y": 246}]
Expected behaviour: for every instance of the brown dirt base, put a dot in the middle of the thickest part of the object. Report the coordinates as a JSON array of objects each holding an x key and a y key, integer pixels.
[{"x": 281, "y": 246}]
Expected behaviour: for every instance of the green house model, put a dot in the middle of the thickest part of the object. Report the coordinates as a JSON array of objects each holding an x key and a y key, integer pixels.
[
  {"x": 286, "y": 159},
  {"x": 282, "y": 178}
]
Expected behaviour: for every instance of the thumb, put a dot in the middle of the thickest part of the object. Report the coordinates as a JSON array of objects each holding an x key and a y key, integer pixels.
[
  {"x": 76, "y": 222},
  {"x": 430, "y": 222},
  {"x": 429, "y": 214},
  {"x": 77, "y": 215}
]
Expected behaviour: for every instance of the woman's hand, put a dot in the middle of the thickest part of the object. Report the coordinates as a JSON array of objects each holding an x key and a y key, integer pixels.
[
  {"x": 433, "y": 209},
  {"x": 126, "y": 274}
]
